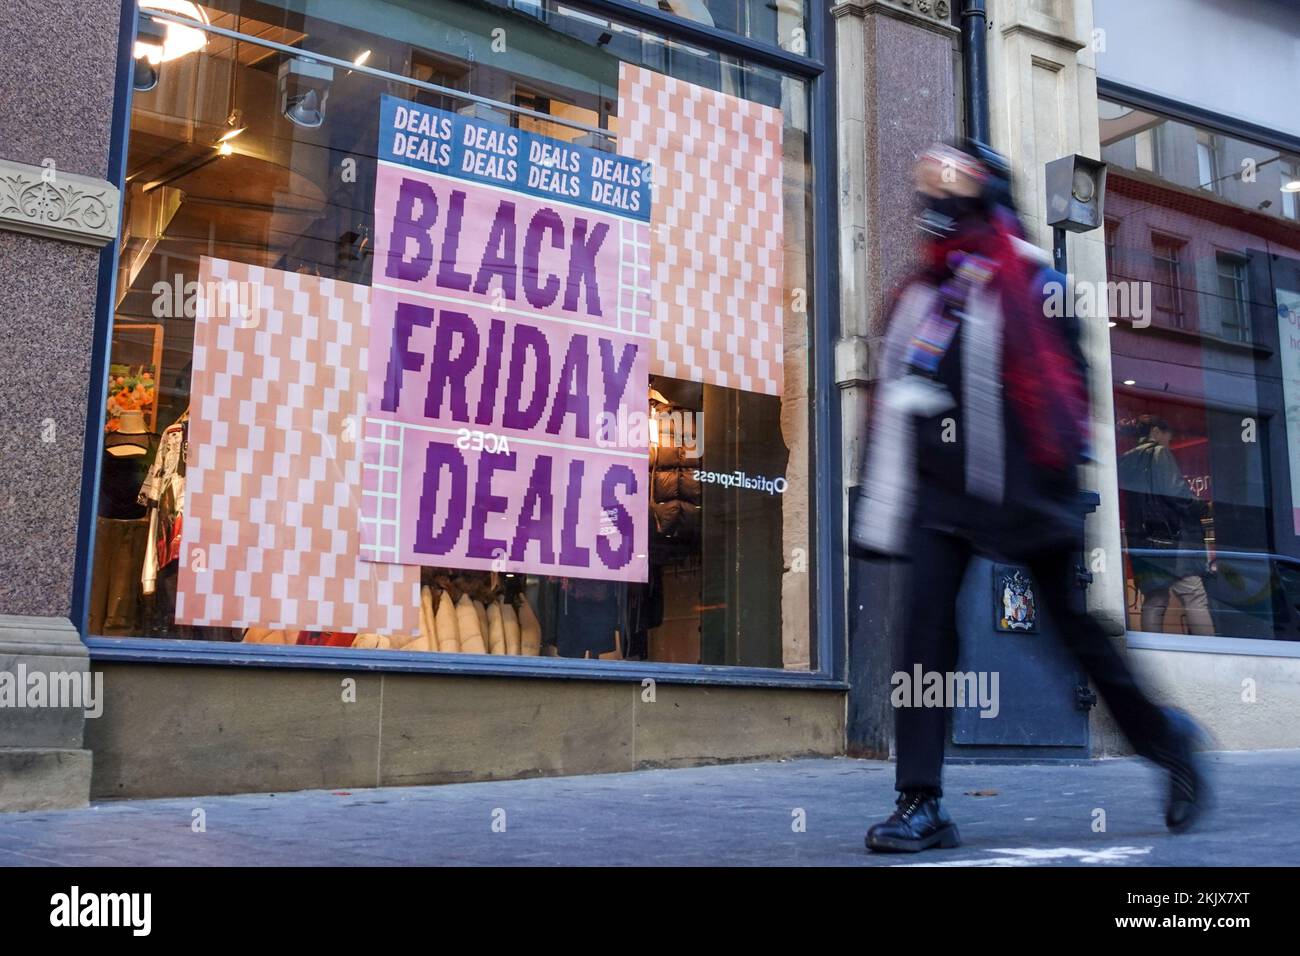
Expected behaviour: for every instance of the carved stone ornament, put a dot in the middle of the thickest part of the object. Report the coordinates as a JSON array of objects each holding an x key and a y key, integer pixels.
[
  {"x": 935, "y": 14},
  {"x": 45, "y": 201},
  {"x": 934, "y": 8}
]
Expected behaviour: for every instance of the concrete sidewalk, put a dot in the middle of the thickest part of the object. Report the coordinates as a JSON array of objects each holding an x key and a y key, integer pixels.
[{"x": 742, "y": 814}]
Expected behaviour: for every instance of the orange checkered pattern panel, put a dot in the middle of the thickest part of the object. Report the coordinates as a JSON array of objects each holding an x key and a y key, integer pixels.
[
  {"x": 273, "y": 476},
  {"x": 716, "y": 230}
]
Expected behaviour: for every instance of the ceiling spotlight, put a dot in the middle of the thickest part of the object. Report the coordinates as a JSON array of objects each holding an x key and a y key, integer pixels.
[
  {"x": 362, "y": 57},
  {"x": 1292, "y": 186},
  {"x": 304, "y": 88},
  {"x": 225, "y": 149},
  {"x": 148, "y": 52},
  {"x": 145, "y": 77},
  {"x": 1130, "y": 381}
]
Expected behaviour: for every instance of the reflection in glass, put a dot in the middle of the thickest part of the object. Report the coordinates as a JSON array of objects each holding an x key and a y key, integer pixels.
[{"x": 1206, "y": 366}]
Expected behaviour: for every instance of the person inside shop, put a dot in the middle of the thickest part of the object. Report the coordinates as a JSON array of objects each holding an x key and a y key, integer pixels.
[
  {"x": 979, "y": 422},
  {"x": 1162, "y": 514}
]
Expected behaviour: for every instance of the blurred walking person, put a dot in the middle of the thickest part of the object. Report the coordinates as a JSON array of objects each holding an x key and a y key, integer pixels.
[{"x": 979, "y": 423}]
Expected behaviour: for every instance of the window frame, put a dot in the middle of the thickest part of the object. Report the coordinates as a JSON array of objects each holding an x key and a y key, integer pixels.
[
  {"x": 1284, "y": 143},
  {"x": 1288, "y": 171},
  {"x": 1207, "y": 153},
  {"x": 828, "y": 591},
  {"x": 1240, "y": 302},
  {"x": 1178, "y": 313},
  {"x": 1146, "y": 141}
]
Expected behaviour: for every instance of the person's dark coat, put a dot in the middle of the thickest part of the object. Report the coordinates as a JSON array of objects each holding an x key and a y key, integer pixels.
[{"x": 1162, "y": 514}]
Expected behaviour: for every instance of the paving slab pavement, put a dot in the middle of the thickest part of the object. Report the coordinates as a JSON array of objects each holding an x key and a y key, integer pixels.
[{"x": 799, "y": 812}]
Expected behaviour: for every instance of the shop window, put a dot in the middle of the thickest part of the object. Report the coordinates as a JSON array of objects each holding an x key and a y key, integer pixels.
[
  {"x": 432, "y": 347},
  {"x": 1207, "y": 433}
]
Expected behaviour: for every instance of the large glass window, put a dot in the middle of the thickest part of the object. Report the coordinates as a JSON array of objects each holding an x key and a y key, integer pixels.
[
  {"x": 461, "y": 327},
  {"x": 1206, "y": 364}
]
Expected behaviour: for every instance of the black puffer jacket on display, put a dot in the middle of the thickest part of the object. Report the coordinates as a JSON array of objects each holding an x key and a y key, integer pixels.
[{"x": 674, "y": 494}]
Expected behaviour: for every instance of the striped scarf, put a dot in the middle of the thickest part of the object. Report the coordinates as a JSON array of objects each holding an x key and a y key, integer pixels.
[{"x": 1007, "y": 340}]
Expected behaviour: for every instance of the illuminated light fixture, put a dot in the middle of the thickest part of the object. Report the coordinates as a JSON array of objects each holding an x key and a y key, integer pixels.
[
  {"x": 225, "y": 149},
  {"x": 178, "y": 40},
  {"x": 1130, "y": 381},
  {"x": 1293, "y": 186},
  {"x": 1113, "y": 324},
  {"x": 148, "y": 55},
  {"x": 230, "y": 134},
  {"x": 145, "y": 77},
  {"x": 304, "y": 88},
  {"x": 361, "y": 59}
]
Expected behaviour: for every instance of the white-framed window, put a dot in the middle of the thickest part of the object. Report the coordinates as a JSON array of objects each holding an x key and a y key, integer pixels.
[
  {"x": 1234, "y": 306},
  {"x": 1207, "y": 161},
  {"x": 1147, "y": 154},
  {"x": 1167, "y": 289}
]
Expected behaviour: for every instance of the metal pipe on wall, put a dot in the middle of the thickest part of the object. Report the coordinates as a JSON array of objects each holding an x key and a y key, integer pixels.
[{"x": 974, "y": 27}]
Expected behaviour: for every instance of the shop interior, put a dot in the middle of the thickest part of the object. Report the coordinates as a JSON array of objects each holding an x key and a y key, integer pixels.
[{"x": 245, "y": 152}]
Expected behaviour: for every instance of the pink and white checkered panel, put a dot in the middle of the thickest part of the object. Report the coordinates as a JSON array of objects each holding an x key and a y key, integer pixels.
[
  {"x": 273, "y": 480},
  {"x": 716, "y": 237}
]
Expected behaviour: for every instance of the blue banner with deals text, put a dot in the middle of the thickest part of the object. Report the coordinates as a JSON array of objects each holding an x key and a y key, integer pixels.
[{"x": 479, "y": 151}]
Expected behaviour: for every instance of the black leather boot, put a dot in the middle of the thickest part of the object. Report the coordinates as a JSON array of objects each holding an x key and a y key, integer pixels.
[
  {"x": 918, "y": 824},
  {"x": 1189, "y": 794}
]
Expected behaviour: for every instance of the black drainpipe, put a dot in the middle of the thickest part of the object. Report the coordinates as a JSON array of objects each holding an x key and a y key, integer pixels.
[{"x": 974, "y": 26}]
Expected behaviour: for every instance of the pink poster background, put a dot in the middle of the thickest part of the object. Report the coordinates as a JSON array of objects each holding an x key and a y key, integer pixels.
[
  {"x": 396, "y": 440},
  {"x": 273, "y": 479},
  {"x": 718, "y": 258}
]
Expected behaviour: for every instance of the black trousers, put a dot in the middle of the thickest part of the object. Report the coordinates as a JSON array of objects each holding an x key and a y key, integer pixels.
[{"x": 930, "y": 639}]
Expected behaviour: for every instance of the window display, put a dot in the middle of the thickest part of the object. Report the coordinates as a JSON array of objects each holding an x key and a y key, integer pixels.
[
  {"x": 475, "y": 329},
  {"x": 1206, "y": 404}
]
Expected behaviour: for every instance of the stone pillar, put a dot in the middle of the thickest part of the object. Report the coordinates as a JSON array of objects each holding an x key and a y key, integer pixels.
[
  {"x": 1044, "y": 106},
  {"x": 896, "y": 63},
  {"x": 58, "y": 64}
]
